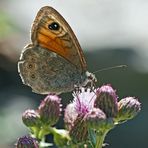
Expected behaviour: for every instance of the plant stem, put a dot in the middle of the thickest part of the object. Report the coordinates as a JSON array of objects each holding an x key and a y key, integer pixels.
[
  {"x": 44, "y": 131},
  {"x": 100, "y": 136}
]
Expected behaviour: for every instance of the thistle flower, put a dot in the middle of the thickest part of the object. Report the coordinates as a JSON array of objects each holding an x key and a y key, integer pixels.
[
  {"x": 128, "y": 109},
  {"x": 107, "y": 100},
  {"x": 27, "y": 142},
  {"x": 74, "y": 114},
  {"x": 49, "y": 110},
  {"x": 84, "y": 101},
  {"x": 96, "y": 119},
  {"x": 31, "y": 118}
]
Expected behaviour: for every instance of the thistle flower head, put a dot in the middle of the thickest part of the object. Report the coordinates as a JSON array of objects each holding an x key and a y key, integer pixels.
[
  {"x": 82, "y": 104},
  {"x": 84, "y": 101},
  {"x": 31, "y": 118},
  {"x": 128, "y": 108},
  {"x": 107, "y": 100},
  {"x": 96, "y": 119},
  {"x": 49, "y": 110},
  {"x": 27, "y": 142}
]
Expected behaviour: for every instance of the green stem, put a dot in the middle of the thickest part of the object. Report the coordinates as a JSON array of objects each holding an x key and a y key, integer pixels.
[
  {"x": 100, "y": 136},
  {"x": 35, "y": 131},
  {"x": 44, "y": 131}
]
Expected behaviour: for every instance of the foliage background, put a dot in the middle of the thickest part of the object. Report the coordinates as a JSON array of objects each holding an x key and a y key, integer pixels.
[{"x": 111, "y": 33}]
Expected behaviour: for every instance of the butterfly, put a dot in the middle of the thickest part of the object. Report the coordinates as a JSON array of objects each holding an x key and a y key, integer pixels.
[{"x": 54, "y": 62}]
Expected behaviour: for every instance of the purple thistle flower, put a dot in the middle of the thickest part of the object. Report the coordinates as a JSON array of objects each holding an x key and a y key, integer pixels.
[
  {"x": 75, "y": 112},
  {"x": 49, "y": 110},
  {"x": 27, "y": 142},
  {"x": 97, "y": 110},
  {"x": 31, "y": 118},
  {"x": 84, "y": 101},
  {"x": 97, "y": 120},
  {"x": 107, "y": 100},
  {"x": 128, "y": 108}
]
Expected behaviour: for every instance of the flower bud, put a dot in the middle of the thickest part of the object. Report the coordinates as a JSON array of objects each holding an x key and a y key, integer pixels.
[
  {"x": 49, "y": 110},
  {"x": 79, "y": 131},
  {"x": 107, "y": 100},
  {"x": 27, "y": 142},
  {"x": 31, "y": 118},
  {"x": 128, "y": 109},
  {"x": 96, "y": 119}
]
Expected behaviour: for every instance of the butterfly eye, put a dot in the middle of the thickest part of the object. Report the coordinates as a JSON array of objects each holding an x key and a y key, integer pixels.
[{"x": 54, "y": 26}]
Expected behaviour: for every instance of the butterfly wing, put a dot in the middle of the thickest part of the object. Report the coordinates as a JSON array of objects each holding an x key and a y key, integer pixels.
[
  {"x": 46, "y": 72},
  {"x": 51, "y": 31}
]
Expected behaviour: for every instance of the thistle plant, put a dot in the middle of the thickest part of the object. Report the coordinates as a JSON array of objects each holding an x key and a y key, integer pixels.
[{"x": 88, "y": 119}]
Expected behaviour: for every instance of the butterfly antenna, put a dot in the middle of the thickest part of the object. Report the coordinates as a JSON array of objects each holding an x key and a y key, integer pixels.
[{"x": 109, "y": 68}]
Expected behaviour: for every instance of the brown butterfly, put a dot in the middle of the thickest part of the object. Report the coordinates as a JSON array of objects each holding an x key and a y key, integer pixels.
[{"x": 54, "y": 61}]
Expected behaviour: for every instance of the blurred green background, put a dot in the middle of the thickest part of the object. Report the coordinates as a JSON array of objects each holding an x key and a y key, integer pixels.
[{"x": 111, "y": 33}]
